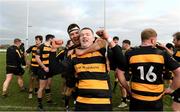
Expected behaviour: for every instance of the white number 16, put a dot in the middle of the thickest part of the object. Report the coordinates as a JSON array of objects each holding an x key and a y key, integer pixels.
[{"x": 150, "y": 76}]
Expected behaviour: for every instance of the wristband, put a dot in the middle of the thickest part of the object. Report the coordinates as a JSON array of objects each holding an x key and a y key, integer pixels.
[{"x": 109, "y": 40}]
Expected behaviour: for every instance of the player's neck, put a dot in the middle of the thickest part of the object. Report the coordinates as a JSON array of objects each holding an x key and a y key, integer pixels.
[{"x": 146, "y": 44}]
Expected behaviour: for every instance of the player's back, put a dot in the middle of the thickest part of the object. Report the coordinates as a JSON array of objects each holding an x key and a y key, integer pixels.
[{"x": 146, "y": 65}]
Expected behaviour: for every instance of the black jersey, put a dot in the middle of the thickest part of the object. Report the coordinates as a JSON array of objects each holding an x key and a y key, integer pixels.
[
  {"x": 44, "y": 51},
  {"x": 146, "y": 64},
  {"x": 13, "y": 56},
  {"x": 33, "y": 50}
]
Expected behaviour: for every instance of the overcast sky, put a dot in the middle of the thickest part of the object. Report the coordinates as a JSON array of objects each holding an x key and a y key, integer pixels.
[{"x": 124, "y": 18}]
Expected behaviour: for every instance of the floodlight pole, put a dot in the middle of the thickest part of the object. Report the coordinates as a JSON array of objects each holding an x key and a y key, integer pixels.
[
  {"x": 104, "y": 14},
  {"x": 27, "y": 26}
]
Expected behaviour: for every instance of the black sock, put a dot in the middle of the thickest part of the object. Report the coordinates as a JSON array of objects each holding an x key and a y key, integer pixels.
[
  {"x": 35, "y": 90},
  {"x": 40, "y": 101},
  {"x": 48, "y": 95},
  {"x": 66, "y": 98},
  {"x": 124, "y": 99}
]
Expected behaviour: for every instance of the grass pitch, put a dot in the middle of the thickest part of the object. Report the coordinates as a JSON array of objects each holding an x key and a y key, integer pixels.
[{"x": 19, "y": 101}]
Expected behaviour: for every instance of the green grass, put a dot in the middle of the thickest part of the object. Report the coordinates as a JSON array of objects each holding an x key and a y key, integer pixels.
[{"x": 19, "y": 100}]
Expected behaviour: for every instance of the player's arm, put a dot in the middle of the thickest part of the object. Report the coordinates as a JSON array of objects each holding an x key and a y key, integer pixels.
[
  {"x": 18, "y": 55},
  {"x": 176, "y": 79},
  {"x": 174, "y": 66},
  {"x": 26, "y": 54},
  {"x": 122, "y": 79},
  {"x": 118, "y": 56},
  {"x": 97, "y": 45},
  {"x": 37, "y": 57},
  {"x": 159, "y": 45},
  {"x": 117, "y": 51}
]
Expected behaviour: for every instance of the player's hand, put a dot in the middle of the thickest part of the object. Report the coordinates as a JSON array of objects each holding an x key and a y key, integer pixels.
[
  {"x": 56, "y": 43},
  {"x": 46, "y": 69},
  {"x": 103, "y": 34},
  {"x": 160, "y": 45},
  {"x": 168, "y": 91}
]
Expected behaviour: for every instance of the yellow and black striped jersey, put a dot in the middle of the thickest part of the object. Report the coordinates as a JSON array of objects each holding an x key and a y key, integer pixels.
[
  {"x": 44, "y": 51},
  {"x": 146, "y": 64},
  {"x": 33, "y": 50},
  {"x": 176, "y": 55},
  {"x": 93, "y": 79}
]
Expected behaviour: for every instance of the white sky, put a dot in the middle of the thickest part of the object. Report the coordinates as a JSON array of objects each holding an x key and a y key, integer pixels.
[{"x": 124, "y": 18}]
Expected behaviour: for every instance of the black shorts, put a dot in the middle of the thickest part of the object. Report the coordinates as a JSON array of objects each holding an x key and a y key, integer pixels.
[
  {"x": 176, "y": 96},
  {"x": 42, "y": 75},
  {"x": 34, "y": 71},
  {"x": 139, "y": 105},
  {"x": 92, "y": 107},
  {"x": 15, "y": 70}
]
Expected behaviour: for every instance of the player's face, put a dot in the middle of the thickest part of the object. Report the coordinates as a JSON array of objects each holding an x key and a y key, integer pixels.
[
  {"x": 116, "y": 41},
  {"x": 176, "y": 42},
  {"x": 86, "y": 38},
  {"x": 18, "y": 43},
  {"x": 38, "y": 41},
  {"x": 74, "y": 35},
  {"x": 125, "y": 46}
]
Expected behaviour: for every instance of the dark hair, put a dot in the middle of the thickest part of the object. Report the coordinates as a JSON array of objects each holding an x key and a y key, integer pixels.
[
  {"x": 17, "y": 40},
  {"x": 49, "y": 36},
  {"x": 147, "y": 33},
  {"x": 39, "y": 37},
  {"x": 169, "y": 45},
  {"x": 127, "y": 41},
  {"x": 87, "y": 28},
  {"x": 115, "y": 38},
  {"x": 72, "y": 27},
  {"x": 177, "y": 35}
]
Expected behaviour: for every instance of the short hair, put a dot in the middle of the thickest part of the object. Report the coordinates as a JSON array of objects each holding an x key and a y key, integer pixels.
[
  {"x": 39, "y": 37},
  {"x": 49, "y": 36},
  {"x": 87, "y": 28},
  {"x": 72, "y": 27},
  {"x": 115, "y": 38},
  {"x": 147, "y": 33},
  {"x": 169, "y": 45},
  {"x": 127, "y": 41},
  {"x": 177, "y": 35},
  {"x": 17, "y": 40}
]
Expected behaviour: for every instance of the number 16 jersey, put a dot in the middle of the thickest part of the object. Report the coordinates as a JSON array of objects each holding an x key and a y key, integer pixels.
[{"x": 146, "y": 64}]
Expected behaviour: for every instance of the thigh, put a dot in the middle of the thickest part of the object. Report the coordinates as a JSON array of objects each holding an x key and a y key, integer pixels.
[{"x": 42, "y": 83}]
